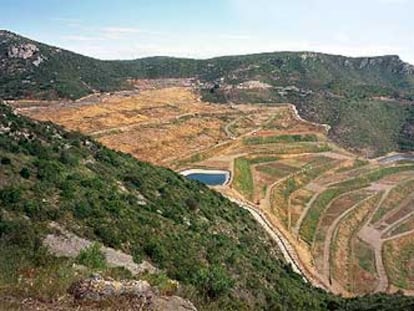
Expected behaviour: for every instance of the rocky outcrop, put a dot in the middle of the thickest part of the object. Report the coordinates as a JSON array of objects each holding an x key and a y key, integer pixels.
[
  {"x": 391, "y": 63},
  {"x": 67, "y": 244},
  {"x": 140, "y": 293},
  {"x": 173, "y": 303},
  {"x": 97, "y": 288},
  {"x": 24, "y": 51},
  {"x": 254, "y": 84}
]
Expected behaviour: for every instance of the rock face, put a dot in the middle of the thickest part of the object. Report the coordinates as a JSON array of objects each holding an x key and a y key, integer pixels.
[
  {"x": 143, "y": 296},
  {"x": 24, "y": 51},
  {"x": 96, "y": 289}
]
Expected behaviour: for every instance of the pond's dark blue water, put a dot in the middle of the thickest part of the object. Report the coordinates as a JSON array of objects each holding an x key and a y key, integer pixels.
[{"x": 209, "y": 179}]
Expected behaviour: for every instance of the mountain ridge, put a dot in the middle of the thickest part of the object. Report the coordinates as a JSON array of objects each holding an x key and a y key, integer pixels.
[
  {"x": 5, "y": 32},
  {"x": 322, "y": 86},
  {"x": 147, "y": 67}
]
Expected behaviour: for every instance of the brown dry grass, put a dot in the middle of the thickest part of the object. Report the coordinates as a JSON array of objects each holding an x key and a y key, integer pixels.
[
  {"x": 153, "y": 126},
  {"x": 393, "y": 200},
  {"x": 157, "y": 144},
  {"x": 341, "y": 258},
  {"x": 285, "y": 122},
  {"x": 398, "y": 257},
  {"x": 337, "y": 207},
  {"x": 299, "y": 199},
  {"x": 406, "y": 226},
  {"x": 149, "y": 107},
  {"x": 159, "y": 125}
]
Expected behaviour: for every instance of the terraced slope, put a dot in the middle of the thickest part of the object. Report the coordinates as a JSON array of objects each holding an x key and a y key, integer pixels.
[
  {"x": 53, "y": 180},
  {"x": 309, "y": 188},
  {"x": 368, "y": 102}
]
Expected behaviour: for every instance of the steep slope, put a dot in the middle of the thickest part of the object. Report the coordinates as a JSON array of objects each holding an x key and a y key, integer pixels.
[
  {"x": 379, "y": 89},
  {"x": 220, "y": 256},
  {"x": 217, "y": 252}
]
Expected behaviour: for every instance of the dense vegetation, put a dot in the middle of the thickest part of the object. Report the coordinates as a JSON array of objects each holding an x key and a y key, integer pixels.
[
  {"x": 368, "y": 125},
  {"x": 219, "y": 254},
  {"x": 66, "y": 74}
]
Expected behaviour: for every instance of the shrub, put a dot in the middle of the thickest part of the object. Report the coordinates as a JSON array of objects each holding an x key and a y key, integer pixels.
[
  {"x": 214, "y": 281},
  {"x": 156, "y": 251},
  {"x": 192, "y": 204},
  {"x": 137, "y": 254},
  {"x": 5, "y": 161},
  {"x": 10, "y": 195},
  {"x": 48, "y": 170},
  {"x": 25, "y": 173},
  {"x": 69, "y": 158},
  {"x": 163, "y": 283},
  {"x": 92, "y": 257}
]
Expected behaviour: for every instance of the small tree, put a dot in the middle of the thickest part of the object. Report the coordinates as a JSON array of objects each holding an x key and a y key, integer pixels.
[{"x": 10, "y": 195}]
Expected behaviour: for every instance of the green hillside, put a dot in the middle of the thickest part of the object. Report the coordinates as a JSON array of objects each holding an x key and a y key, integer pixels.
[
  {"x": 331, "y": 89},
  {"x": 218, "y": 253},
  {"x": 212, "y": 247},
  {"x": 63, "y": 74},
  {"x": 66, "y": 74}
]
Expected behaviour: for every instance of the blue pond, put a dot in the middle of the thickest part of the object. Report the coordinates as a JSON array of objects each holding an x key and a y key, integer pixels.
[{"x": 211, "y": 179}]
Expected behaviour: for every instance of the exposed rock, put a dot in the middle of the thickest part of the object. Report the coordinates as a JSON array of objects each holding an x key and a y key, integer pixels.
[
  {"x": 253, "y": 84},
  {"x": 364, "y": 63},
  {"x": 393, "y": 63},
  {"x": 173, "y": 303},
  {"x": 37, "y": 61},
  {"x": 24, "y": 51},
  {"x": 408, "y": 69},
  {"x": 70, "y": 245},
  {"x": 307, "y": 55},
  {"x": 97, "y": 289}
]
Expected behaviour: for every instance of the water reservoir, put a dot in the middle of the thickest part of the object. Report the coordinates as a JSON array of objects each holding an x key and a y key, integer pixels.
[{"x": 208, "y": 177}]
